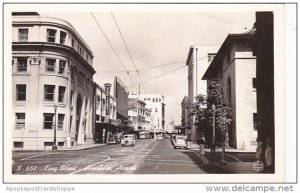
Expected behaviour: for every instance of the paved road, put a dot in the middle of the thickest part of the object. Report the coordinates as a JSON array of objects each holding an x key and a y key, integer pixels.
[{"x": 149, "y": 156}]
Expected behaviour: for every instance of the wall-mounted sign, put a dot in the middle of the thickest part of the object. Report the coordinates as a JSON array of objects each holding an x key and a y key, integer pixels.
[{"x": 107, "y": 98}]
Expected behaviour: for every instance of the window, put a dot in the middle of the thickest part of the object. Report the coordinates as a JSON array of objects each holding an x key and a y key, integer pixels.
[
  {"x": 51, "y": 34},
  {"x": 22, "y": 64},
  {"x": 71, "y": 99},
  {"x": 50, "y": 64},
  {"x": 156, "y": 110},
  {"x": 210, "y": 57},
  {"x": 49, "y": 92},
  {"x": 20, "y": 120},
  {"x": 153, "y": 100},
  {"x": 87, "y": 58},
  {"x": 61, "y": 94},
  {"x": 156, "y": 100},
  {"x": 254, "y": 83},
  {"x": 47, "y": 143},
  {"x": 71, "y": 120},
  {"x": 21, "y": 92},
  {"x": 62, "y": 65},
  {"x": 63, "y": 36},
  {"x": 60, "y": 143},
  {"x": 255, "y": 121},
  {"x": 73, "y": 43},
  {"x": 159, "y": 99},
  {"x": 18, "y": 144},
  {"x": 23, "y": 35},
  {"x": 48, "y": 120},
  {"x": 60, "y": 121}
]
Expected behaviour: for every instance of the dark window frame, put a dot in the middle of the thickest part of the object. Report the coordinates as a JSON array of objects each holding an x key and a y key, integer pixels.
[
  {"x": 47, "y": 94},
  {"x": 48, "y": 122},
  {"x": 23, "y": 37},
  {"x": 51, "y": 37},
  {"x": 20, "y": 120},
  {"x": 21, "y": 95}
]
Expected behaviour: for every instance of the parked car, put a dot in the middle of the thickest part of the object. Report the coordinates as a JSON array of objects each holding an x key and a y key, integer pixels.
[
  {"x": 128, "y": 140},
  {"x": 112, "y": 139},
  {"x": 180, "y": 141}
]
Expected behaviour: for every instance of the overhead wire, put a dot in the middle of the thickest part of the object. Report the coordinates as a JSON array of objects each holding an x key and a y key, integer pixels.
[
  {"x": 127, "y": 49},
  {"x": 112, "y": 47}
]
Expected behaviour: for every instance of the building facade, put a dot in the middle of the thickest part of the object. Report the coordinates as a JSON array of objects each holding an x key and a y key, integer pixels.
[
  {"x": 105, "y": 119},
  {"x": 198, "y": 60},
  {"x": 137, "y": 113},
  {"x": 51, "y": 69},
  {"x": 156, "y": 104},
  {"x": 235, "y": 66}
]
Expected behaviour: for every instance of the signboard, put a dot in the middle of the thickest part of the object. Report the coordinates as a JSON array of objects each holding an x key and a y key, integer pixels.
[{"x": 107, "y": 98}]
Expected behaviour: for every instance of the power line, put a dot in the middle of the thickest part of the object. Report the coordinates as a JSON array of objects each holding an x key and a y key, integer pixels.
[
  {"x": 111, "y": 46},
  {"x": 128, "y": 50}
]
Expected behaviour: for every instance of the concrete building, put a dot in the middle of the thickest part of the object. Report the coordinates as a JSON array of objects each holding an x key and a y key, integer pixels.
[
  {"x": 51, "y": 67},
  {"x": 105, "y": 124},
  {"x": 156, "y": 104},
  {"x": 137, "y": 113},
  {"x": 235, "y": 66},
  {"x": 198, "y": 60},
  {"x": 121, "y": 94}
]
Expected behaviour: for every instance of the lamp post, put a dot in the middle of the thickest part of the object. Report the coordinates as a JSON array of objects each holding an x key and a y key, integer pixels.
[{"x": 54, "y": 146}]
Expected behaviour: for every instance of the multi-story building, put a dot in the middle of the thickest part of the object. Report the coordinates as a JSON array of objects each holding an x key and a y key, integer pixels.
[
  {"x": 105, "y": 119},
  {"x": 121, "y": 94},
  {"x": 235, "y": 66},
  {"x": 198, "y": 60},
  {"x": 137, "y": 113},
  {"x": 52, "y": 83},
  {"x": 156, "y": 104}
]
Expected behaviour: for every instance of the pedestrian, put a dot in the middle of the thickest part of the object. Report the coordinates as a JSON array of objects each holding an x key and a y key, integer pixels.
[
  {"x": 259, "y": 151},
  {"x": 201, "y": 144},
  {"x": 269, "y": 154}
]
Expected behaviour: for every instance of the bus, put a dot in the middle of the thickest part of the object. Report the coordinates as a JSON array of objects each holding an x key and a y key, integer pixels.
[{"x": 144, "y": 135}]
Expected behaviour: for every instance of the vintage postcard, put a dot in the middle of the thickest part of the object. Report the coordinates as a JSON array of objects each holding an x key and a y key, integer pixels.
[{"x": 168, "y": 93}]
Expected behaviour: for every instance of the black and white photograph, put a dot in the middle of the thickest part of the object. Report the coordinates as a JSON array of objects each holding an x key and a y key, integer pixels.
[{"x": 143, "y": 92}]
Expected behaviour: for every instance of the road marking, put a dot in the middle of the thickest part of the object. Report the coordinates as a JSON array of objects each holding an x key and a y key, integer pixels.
[
  {"x": 37, "y": 156},
  {"x": 234, "y": 158},
  {"x": 108, "y": 158}
]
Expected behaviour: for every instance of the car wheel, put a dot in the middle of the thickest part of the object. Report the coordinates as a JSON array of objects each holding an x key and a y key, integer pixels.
[{"x": 174, "y": 147}]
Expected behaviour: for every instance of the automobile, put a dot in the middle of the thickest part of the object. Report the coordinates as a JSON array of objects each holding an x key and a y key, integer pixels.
[
  {"x": 159, "y": 137},
  {"x": 180, "y": 141},
  {"x": 128, "y": 140},
  {"x": 112, "y": 139}
]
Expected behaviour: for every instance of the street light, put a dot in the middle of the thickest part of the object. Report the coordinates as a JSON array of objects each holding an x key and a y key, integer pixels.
[{"x": 54, "y": 147}]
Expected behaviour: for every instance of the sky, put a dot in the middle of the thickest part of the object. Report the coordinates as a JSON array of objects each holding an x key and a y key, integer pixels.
[{"x": 158, "y": 42}]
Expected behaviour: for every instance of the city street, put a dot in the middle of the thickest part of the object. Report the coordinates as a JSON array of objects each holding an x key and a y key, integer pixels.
[{"x": 149, "y": 156}]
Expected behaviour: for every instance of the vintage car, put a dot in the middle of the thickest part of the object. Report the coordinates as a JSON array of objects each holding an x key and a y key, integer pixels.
[
  {"x": 128, "y": 140},
  {"x": 180, "y": 142}
]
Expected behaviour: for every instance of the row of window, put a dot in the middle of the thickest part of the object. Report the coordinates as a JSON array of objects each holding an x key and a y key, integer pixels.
[
  {"x": 47, "y": 121},
  {"x": 49, "y": 92},
  {"x": 154, "y": 100},
  {"x": 20, "y": 144},
  {"x": 51, "y": 37},
  {"x": 22, "y": 65}
]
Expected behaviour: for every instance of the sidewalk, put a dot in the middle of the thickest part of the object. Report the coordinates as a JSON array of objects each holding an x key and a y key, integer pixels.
[{"x": 230, "y": 166}]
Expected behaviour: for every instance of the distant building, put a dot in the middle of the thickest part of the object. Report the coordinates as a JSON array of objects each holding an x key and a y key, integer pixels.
[
  {"x": 137, "y": 113},
  {"x": 185, "y": 121},
  {"x": 121, "y": 94},
  {"x": 51, "y": 66},
  {"x": 198, "y": 60},
  {"x": 104, "y": 124},
  {"x": 235, "y": 66},
  {"x": 156, "y": 104}
]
